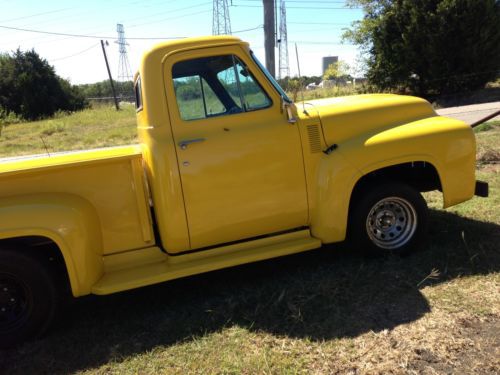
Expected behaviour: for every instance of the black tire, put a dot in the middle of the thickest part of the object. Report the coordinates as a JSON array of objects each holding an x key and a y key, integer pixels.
[
  {"x": 390, "y": 218},
  {"x": 28, "y": 298}
]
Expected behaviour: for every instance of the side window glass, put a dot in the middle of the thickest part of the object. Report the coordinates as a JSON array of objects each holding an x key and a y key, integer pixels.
[
  {"x": 216, "y": 86},
  {"x": 253, "y": 95},
  {"x": 229, "y": 81},
  {"x": 189, "y": 97},
  {"x": 214, "y": 106}
]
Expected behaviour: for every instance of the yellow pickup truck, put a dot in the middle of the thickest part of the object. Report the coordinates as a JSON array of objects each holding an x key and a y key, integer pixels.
[{"x": 229, "y": 171}]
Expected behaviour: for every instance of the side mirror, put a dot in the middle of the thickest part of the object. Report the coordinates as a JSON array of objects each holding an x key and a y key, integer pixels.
[
  {"x": 244, "y": 72},
  {"x": 287, "y": 107}
]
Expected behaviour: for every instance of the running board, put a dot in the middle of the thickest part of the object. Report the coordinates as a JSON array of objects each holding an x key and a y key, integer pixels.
[{"x": 150, "y": 266}]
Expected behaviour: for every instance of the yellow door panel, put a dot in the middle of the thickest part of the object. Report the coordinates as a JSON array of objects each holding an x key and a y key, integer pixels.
[{"x": 241, "y": 168}]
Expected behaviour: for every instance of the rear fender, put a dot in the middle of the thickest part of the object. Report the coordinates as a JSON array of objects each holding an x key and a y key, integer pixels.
[{"x": 71, "y": 222}]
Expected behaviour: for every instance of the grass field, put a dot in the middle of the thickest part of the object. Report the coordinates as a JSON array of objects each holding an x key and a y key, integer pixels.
[
  {"x": 91, "y": 128},
  {"x": 324, "y": 312}
]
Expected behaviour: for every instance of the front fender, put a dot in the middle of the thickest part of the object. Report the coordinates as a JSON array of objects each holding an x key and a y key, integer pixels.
[
  {"x": 336, "y": 180},
  {"x": 447, "y": 144},
  {"x": 68, "y": 220}
]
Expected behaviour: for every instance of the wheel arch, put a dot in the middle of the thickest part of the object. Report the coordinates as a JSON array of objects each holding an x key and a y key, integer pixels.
[
  {"x": 67, "y": 224},
  {"x": 420, "y": 173}
]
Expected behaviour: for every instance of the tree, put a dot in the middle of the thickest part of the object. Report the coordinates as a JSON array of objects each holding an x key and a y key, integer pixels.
[
  {"x": 337, "y": 71},
  {"x": 103, "y": 89},
  {"x": 429, "y": 46},
  {"x": 30, "y": 88}
]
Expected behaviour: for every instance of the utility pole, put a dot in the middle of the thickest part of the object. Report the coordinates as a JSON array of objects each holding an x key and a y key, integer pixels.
[
  {"x": 109, "y": 74},
  {"x": 124, "y": 71},
  {"x": 221, "y": 23},
  {"x": 283, "y": 65},
  {"x": 269, "y": 35}
]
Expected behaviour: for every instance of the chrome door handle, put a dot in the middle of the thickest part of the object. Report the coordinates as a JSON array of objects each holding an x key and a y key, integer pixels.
[{"x": 183, "y": 144}]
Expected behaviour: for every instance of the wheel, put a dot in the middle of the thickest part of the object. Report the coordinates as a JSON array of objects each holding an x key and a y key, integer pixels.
[
  {"x": 388, "y": 218},
  {"x": 28, "y": 298}
]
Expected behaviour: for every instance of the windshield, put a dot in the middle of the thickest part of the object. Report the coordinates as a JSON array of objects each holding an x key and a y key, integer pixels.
[{"x": 271, "y": 79}]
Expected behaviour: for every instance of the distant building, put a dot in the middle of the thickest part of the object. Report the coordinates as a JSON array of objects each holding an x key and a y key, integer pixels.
[{"x": 329, "y": 60}]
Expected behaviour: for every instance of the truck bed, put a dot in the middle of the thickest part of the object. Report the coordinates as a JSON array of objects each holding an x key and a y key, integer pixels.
[{"x": 110, "y": 179}]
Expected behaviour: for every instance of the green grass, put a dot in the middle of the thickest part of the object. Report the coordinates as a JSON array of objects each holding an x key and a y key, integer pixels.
[
  {"x": 91, "y": 128},
  {"x": 321, "y": 312}
]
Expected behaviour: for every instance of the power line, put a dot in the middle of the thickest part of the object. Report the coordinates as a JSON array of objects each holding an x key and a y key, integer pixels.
[
  {"x": 35, "y": 15},
  {"x": 245, "y": 30},
  {"x": 300, "y": 7},
  {"x": 136, "y": 25},
  {"x": 82, "y": 35},
  {"x": 319, "y": 23},
  {"x": 76, "y": 54},
  {"x": 325, "y": 43},
  {"x": 170, "y": 18},
  {"x": 315, "y": 30},
  {"x": 303, "y": 1},
  {"x": 80, "y": 13},
  {"x": 166, "y": 12}
]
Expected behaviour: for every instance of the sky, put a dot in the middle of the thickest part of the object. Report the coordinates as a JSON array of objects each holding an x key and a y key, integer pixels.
[{"x": 314, "y": 26}]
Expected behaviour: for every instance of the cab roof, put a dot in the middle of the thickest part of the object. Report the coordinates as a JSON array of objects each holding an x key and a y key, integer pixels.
[{"x": 161, "y": 49}]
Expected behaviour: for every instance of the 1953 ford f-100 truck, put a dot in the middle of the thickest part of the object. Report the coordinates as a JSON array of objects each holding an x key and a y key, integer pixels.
[{"x": 228, "y": 171}]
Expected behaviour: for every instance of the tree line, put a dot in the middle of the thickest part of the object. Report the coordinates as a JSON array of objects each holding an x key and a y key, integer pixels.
[
  {"x": 428, "y": 47},
  {"x": 30, "y": 88}
]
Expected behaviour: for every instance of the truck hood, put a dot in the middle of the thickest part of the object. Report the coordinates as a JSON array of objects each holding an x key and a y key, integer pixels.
[{"x": 345, "y": 117}]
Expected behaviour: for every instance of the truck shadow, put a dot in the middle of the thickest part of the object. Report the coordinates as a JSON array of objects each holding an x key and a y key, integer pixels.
[{"x": 324, "y": 294}]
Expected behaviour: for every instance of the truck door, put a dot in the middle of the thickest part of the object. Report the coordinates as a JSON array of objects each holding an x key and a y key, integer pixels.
[{"x": 239, "y": 159}]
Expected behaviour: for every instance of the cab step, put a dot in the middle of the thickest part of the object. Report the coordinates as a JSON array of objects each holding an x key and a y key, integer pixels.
[{"x": 150, "y": 266}]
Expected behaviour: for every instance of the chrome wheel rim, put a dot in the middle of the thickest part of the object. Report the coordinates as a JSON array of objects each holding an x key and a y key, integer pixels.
[{"x": 391, "y": 223}]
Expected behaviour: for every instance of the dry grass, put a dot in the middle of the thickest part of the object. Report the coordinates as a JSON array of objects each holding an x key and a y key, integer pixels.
[
  {"x": 325, "y": 312},
  {"x": 489, "y": 139}
]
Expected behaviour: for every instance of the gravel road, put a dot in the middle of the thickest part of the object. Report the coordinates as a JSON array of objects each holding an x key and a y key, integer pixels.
[{"x": 471, "y": 113}]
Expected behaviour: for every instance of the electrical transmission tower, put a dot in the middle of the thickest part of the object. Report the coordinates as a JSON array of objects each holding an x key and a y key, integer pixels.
[
  {"x": 221, "y": 24},
  {"x": 124, "y": 71},
  {"x": 284, "y": 68}
]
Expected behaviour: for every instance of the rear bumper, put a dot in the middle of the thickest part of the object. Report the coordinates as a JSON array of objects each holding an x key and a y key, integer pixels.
[{"x": 481, "y": 189}]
